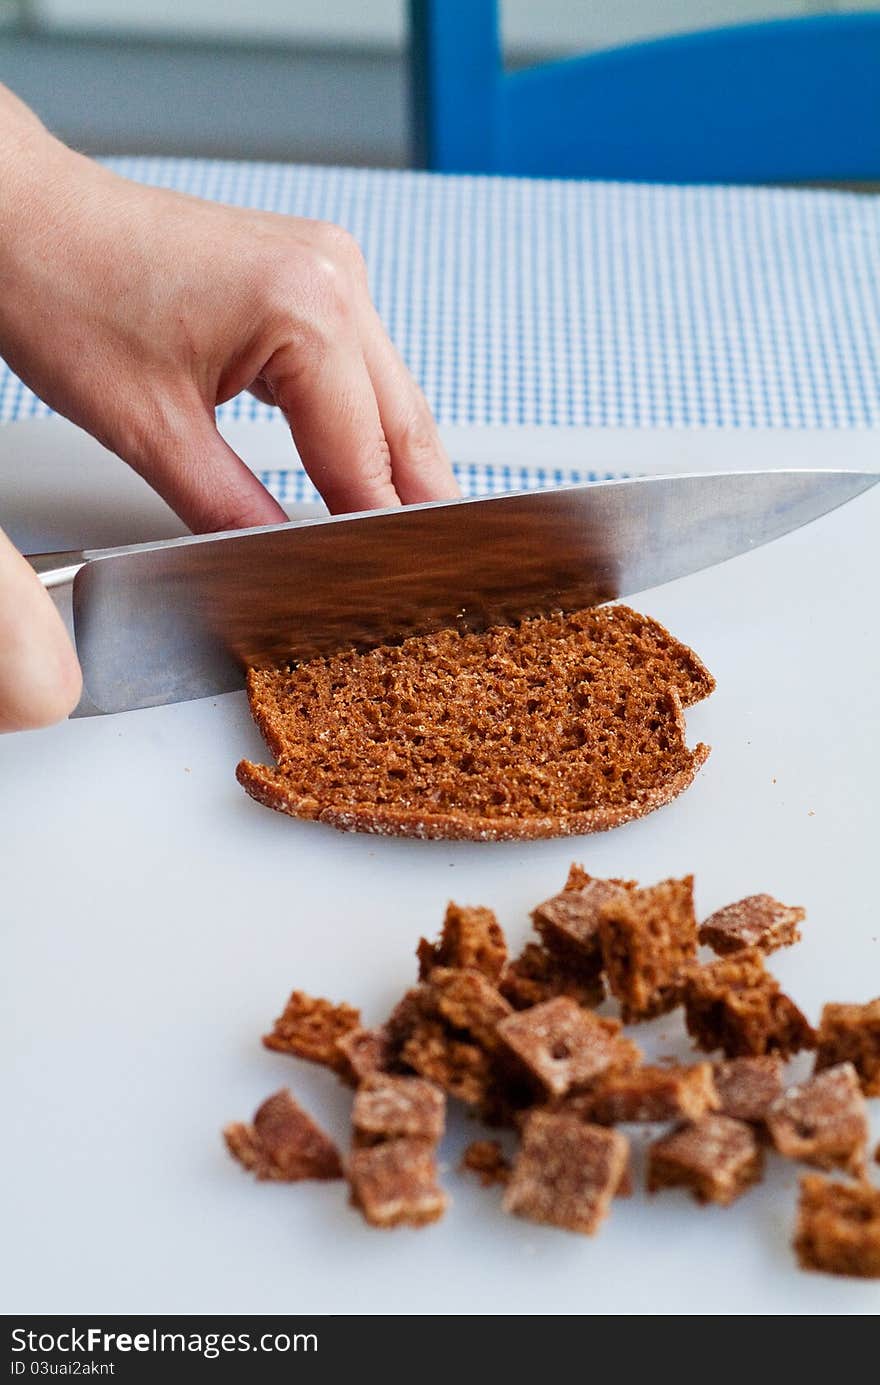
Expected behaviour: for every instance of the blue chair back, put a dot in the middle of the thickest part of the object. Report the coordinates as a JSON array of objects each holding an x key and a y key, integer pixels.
[{"x": 790, "y": 100}]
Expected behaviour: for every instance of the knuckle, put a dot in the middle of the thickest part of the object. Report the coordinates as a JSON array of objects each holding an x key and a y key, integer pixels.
[
  {"x": 331, "y": 288},
  {"x": 311, "y": 291},
  {"x": 341, "y": 245},
  {"x": 310, "y": 296},
  {"x": 417, "y": 436},
  {"x": 376, "y": 466},
  {"x": 146, "y": 433}
]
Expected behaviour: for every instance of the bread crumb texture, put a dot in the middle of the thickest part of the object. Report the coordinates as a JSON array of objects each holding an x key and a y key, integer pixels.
[{"x": 561, "y": 724}]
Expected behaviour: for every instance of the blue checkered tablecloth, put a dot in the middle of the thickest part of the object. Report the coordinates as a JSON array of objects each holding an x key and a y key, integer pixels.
[{"x": 517, "y": 301}]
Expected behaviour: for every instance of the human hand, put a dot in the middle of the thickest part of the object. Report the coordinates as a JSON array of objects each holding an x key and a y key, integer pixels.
[
  {"x": 134, "y": 311},
  {"x": 39, "y": 676}
]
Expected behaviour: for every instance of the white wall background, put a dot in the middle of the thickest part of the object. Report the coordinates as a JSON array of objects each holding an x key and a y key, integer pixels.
[{"x": 528, "y": 25}]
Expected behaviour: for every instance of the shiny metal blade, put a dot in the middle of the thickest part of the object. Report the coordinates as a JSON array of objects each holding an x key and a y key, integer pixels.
[{"x": 181, "y": 619}]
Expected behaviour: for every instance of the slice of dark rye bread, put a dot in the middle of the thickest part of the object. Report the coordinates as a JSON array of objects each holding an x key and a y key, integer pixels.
[{"x": 558, "y": 725}]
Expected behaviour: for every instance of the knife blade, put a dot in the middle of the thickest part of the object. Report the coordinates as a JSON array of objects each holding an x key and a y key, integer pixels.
[{"x": 182, "y": 619}]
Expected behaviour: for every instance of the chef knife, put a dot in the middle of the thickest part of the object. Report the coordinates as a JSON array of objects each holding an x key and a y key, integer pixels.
[{"x": 179, "y": 619}]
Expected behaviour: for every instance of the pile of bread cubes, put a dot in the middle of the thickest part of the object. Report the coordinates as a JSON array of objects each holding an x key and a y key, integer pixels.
[{"x": 519, "y": 1042}]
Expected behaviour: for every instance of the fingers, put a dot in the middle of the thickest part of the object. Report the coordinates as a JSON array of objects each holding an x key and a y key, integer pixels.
[
  {"x": 362, "y": 426},
  {"x": 196, "y": 471},
  {"x": 40, "y": 680},
  {"x": 420, "y": 467},
  {"x": 327, "y": 396}
]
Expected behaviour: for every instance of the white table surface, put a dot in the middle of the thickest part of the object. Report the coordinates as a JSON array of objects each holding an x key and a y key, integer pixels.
[{"x": 154, "y": 920}]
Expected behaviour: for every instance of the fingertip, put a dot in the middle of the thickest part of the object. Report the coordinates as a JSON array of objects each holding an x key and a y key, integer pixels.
[
  {"x": 220, "y": 513},
  {"x": 205, "y": 481},
  {"x": 447, "y": 487},
  {"x": 40, "y": 676},
  {"x": 48, "y": 691},
  {"x": 69, "y": 681},
  {"x": 423, "y": 473},
  {"x": 221, "y": 492},
  {"x": 334, "y": 420},
  {"x": 346, "y": 493},
  {"x": 427, "y": 469},
  {"x": 421, "y": 468}
]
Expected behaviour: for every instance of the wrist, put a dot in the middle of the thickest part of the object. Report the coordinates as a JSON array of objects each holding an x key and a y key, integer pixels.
[
  {"x": 25, "y": 144},
  {"x": 43, "y": 186}
]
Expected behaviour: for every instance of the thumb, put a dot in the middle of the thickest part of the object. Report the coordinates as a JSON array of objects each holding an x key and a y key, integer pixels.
[
  {"x": 40, "y": 680},
  {"x": 203, "y": 480}
]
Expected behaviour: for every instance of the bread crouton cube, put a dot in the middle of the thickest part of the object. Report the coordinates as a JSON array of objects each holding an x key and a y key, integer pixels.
[
  {"x": 838, "y": 1227},
  {"x": 716, "y": 1159},
  {"x": 823, "y": 1121},
  {"x": 395, "y": 1184},
  {"x": 392, "y": 1108},
  {"x": 566, "y": 1172},
  {"x": 648, "y": 938},
  {"x": 758, "y": 921}
]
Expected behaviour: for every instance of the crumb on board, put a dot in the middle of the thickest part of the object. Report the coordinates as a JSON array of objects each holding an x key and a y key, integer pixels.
[
  {"x": 736, "y": 1005},
  {"x": 757, "y": 921},
  {"x": 747, "y": 1087},
  {"x": 838, "y": 1227},
  {"x": 536, "y": 975},
  {"x": 467, "y": 1001},
  {"x": 487, "y": 1160},
  {"x": 648, "y": 938},
  {"x": 388, "y": 1107},
  {"x": 822, "y": 1121},
  {"x": 684, "y": 1092},
  {"x": 283, "y": 1143},
  {"x": 362, "y": 1052},
  {"x": 310, "y": 1027},
  {"x": 559, "y": 1046},
  {"x": 520, "y": 1043},
  {"x": 459, "y": 1067},
  {"x": 470, "y": 937},
  {"x": 395, "y": 1184},
  {"x": 851, "y": 1033},
  {"x": 566, "y": 1172},
  {"x": 568, "y": 924},
  {"x": 716, "y": 1159}
]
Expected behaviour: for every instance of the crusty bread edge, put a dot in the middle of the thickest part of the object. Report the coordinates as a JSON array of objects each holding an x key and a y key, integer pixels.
[{"x": 386, "y": 820}]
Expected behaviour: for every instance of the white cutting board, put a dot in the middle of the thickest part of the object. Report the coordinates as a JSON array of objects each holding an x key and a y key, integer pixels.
[{"x": 154, "y": 920}]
